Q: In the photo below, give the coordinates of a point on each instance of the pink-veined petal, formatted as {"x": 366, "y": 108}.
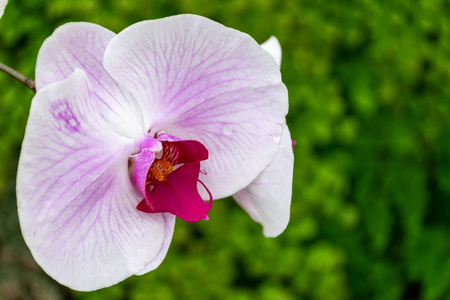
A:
{"x": 2, "y": 6}
{"x": 268, "y": 198}
{"x": 76, "y": 202}
{"x": 199, "y": 80}
{"x": 82, "y": 46}
{"x": 273, "y": 47}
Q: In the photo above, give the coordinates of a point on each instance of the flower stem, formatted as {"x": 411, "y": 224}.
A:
{"x": 14, "y": 74}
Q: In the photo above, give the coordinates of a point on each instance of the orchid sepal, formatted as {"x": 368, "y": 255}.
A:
{"x": 268, "y": 198}
{"x": 77, "y": 204}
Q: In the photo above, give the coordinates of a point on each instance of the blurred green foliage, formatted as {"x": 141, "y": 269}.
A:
{"x": 369, "y": 109}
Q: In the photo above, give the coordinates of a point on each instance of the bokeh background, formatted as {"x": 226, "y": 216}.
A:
{"x": 370, "y": 111}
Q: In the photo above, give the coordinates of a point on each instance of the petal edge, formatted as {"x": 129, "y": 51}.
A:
{"x": 272, "y": 45}
{"x": 267, "y": 199}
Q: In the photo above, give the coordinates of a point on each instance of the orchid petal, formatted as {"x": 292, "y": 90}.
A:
{"x": 209, "y": 83}
{"x": 268, "y": 198}
{"x": 2, "y": 6}
{"x": 76, "y": 202}
{"x": 273, "y": 47}
{"x": 82, "y": 45}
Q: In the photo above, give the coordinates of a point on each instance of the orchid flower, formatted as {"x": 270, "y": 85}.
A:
{"x": 129, "y": 130}
{"x": 2, "y": 6}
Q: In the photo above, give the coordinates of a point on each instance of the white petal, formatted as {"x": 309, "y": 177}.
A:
{"x": 76, "y": 202}
{"x": 273, "y": 47}
{"x": 2, "y": 6}
{"x": 169, "y": 228}
{"x": 196, "y": 79}
{"x": 82, "y": 46}
{"x": 268, "y": 199}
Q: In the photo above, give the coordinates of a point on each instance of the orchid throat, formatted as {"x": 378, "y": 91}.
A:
{"x": 166, "y": 172}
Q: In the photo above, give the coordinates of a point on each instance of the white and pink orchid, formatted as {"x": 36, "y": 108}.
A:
{"x": 129, "y": 130}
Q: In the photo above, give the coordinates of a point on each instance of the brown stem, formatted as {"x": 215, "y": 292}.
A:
{"x": 14, "y": 74}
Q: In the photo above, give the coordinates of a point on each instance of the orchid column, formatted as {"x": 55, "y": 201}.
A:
{"x": 128, "y": 131}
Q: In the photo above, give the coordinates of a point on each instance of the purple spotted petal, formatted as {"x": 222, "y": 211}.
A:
{"x": 273, "y": 47}
{"x": 2, "y": 6}
{"x": 82, "y": 46}
{"x": 268, "y": 199}
{"x": 76, "y": 202}
{"x": 198, "y": 80}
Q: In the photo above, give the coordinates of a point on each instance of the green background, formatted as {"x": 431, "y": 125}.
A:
{"x": 369, "y": 108}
